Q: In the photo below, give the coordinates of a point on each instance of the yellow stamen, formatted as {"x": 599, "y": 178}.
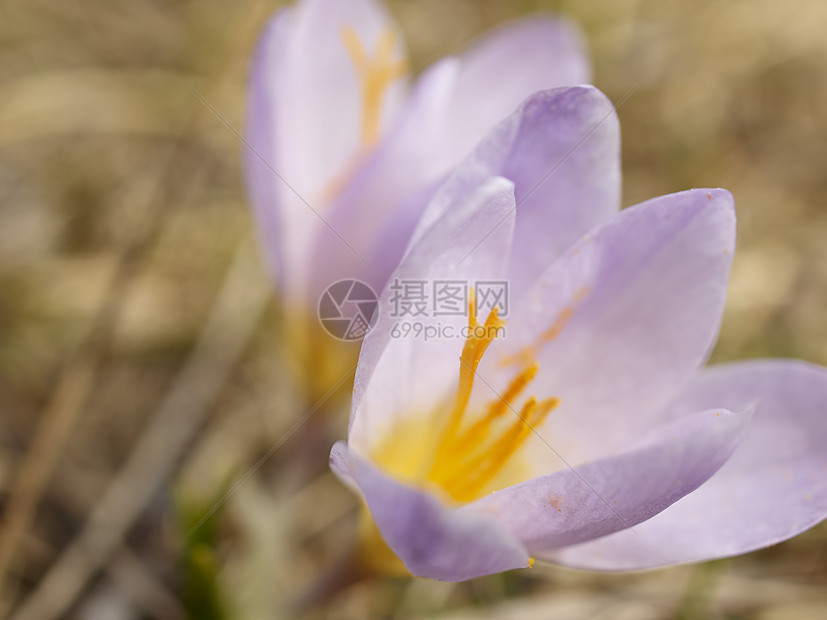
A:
{"x": 466, "y": 481}
{"x": 469, "y": 459}
{"x": 463, "y": 465}
{"x": 376, "y": 74}
{"x": 476, "y": 343}
{"x": 479, "y": 430}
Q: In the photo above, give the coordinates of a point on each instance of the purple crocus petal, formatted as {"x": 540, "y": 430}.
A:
{"x": 391, "y": 242}
{"x": 562, "y": 150}
{"x": 319, "y": 106}
{"x": 644, "y": 295}
{"x": 500, "y": 70}
{"x": 299, "y": 146}
{"x": 430, "y": 539}
{"x": 388, "y": 191}
{"x": 773, "y": 488}
{"x": 578, "y": 504}
{"x": 410, "y": 375}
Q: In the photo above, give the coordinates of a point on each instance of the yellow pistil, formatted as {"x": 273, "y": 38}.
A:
{"x": 376, "y": 73}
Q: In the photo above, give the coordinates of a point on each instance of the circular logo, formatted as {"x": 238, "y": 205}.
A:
{"x": 347, "y": 309}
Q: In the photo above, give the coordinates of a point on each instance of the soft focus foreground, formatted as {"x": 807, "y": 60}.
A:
{"x": 140, "y": 373}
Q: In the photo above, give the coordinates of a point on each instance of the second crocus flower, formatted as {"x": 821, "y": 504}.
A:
{"x": 345, "y": 149}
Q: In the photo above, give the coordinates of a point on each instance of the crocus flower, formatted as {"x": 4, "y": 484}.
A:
{"x": 582, "y": 429}
{"x": 343, "y": 150}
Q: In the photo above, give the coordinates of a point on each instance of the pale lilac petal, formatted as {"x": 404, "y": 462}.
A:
{"x": 319, "y": 106}
{"x": 506, "y": 65}
{"x": 391, "y": 242}
{"x": 304, "y": 122}
{"x": 645, "y": 293}
{"x": 409, "y": 376}
{"x": 431, "y": 540}
{"x": 612, "y": 494}
{"x": 567, "y": 175}
{"x": 773, "y": 488}
{"x": 562, "y": 150}
{"x": 388, "y": 191}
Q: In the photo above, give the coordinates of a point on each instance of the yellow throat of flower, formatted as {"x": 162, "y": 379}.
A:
{"x": 466, "y": 457}
{"x": 376, "y": 73}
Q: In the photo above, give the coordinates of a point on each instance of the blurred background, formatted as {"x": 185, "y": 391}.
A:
{"x": 146, "y": 462}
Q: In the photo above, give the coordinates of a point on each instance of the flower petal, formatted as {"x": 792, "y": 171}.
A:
{"x": 431, "y": 539}
{"x": 562, "y": 150}
{"x": 388, "y": 191}
{"x": 773, "y": 488}
{"x": 507, "y": 64}
{"x": 623, "y": 320}
{"x": 403, "y": 374}
{"x": 592, "y": 500}
{"x": 304, "y": 119}
{"x": 318, "y": 98}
